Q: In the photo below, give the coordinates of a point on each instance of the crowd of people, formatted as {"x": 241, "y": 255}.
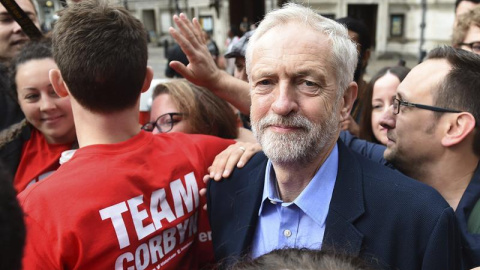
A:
{"x": 335, "y": 173}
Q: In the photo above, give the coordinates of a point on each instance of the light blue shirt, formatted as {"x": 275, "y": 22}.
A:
{"x": 301, "y": 223}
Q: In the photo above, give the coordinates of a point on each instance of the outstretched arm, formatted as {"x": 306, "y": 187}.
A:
{"x": 202, "y": 69}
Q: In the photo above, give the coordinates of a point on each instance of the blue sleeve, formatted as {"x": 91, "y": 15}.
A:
{"x": 370, "y": 150}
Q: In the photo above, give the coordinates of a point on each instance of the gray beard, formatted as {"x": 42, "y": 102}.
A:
{"x": 296, "y": 148}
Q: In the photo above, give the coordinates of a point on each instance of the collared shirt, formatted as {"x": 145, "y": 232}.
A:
{"x": 301, "y": 223}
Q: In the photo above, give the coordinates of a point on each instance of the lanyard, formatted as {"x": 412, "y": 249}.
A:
{"x": 28, "y": 27}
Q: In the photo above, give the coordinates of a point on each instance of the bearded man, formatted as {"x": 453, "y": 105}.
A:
{"x": 308, "y": 190}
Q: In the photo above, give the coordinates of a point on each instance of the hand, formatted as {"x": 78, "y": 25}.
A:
{"x": 350, "y": 125}
{"x": 202, "y": 69}
{"x": 236, "y": 154}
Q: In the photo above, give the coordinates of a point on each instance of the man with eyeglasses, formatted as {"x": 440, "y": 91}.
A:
{"x": 434, "y": 135}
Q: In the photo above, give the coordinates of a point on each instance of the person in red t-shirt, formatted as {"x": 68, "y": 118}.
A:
{"x": 127, "y": 199}
{"x": 32, "y": 148}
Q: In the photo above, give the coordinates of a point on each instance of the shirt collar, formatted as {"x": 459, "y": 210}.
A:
{"x": 318, "y": 192}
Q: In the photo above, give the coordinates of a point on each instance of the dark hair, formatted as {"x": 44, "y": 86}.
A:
{"x": 458, "y": 2}
{"x": 361, "y": 29}
{"x": 305, "y": 259}
{"x": 207, "y": 113}
{"x": 101, "y": 51}
{"x": 366, "y": 131}
{"x": 12, "y": 226}
{"x": 34, "y": 50}
{"x": 460, "y": 88}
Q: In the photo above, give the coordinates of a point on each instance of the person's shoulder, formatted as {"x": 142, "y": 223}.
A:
{"x": 193, "y": 140}
{"x": 250, "y": 173}
{"x": 383, "y": 182}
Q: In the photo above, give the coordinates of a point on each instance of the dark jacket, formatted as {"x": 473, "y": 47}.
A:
{"x": 391, "y": 221}
{"x": 11, "y": 149}
{"x": 470, "y": 241}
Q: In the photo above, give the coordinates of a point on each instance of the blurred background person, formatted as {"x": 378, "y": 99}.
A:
{"x": 233, "y": 36}
{"x": 237, "y": 52}
{"x": 378, "y": 97}
{"x": 12, "y": 38}
{"x": 358, "y": 32}
{"x": 175, "y": 53}
{"x": 213, "y": 49}
{"x": 180, "y": 106}
{"x": 244, "y": 25}
{"x": 31, "y": 149}
{"x": 463, "y": 6}
{"x": 466, "y": 33}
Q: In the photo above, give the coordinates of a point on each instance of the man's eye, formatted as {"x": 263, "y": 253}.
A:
{"x": 309, "y": 83}
{"x": 264, "y": 82}
{"x": 6, "y": 19}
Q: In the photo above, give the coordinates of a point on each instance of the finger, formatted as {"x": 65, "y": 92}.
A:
{"x": 218, "y": 166}
{"x": 203, "y": 192}
{"x": 206, "y": 178}
{"x": 248, "y": 154}
{"x": 198, "y": 30}
{"x": 181, "y": 69}
{"x": 188, "y": 30}
{"x": 182, "y": 40}
{"x": 232, "y": 161}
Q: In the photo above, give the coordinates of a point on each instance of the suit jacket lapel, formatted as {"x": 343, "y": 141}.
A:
{"x": 246, "y": 207}
{"x": 346, "y": 206}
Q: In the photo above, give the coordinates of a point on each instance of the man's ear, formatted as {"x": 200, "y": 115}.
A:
{"x": 460, "y": 126}
{"x": 148, "y": 79}
{"x": 348, "y": 98}
{"x": 58, "y": 83}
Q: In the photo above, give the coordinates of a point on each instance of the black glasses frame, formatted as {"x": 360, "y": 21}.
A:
{"x": 150, "y": 126}
{"x": 397, "y": 103}
{"x": 471, "y": 46}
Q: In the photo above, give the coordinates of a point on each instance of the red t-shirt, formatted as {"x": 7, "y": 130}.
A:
{"x": 39, "y": 159}
{"x": 131, "y": 205}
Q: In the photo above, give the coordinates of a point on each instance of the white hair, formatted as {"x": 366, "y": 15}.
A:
{"x": 344, "y": 52}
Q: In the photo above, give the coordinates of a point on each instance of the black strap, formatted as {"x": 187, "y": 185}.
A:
{"x": 22, "y": 19}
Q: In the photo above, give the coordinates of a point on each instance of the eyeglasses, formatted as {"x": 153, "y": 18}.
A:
{"x": 397, "y": 103}
{"x": 164, "y": 122}
{"x": 474, "y": 46}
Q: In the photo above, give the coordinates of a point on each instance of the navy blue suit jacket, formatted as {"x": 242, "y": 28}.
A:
{"x": 391, "y": 221}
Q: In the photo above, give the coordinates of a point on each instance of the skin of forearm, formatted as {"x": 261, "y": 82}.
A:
{"x": 232, "y": 90}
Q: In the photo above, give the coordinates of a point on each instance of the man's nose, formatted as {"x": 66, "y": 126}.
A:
{"x": 17, "y": 28}
{"x": 285, "y": 100}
